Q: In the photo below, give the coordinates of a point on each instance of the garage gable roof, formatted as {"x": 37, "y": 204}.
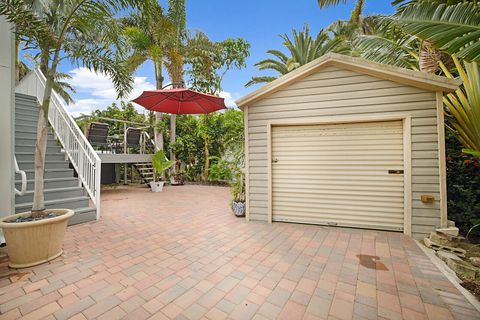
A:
{"x": 409, "y": 77}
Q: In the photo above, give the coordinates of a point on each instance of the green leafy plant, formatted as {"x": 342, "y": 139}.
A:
{"x": 237, "y": 188}
{"x": 451, "y": 28}
{"x": 220, "y": 170}
{"x": 302, "y": 49}
{"x": 463, "y": 179}
{"x": 161, "y": 163}
{"x": 463, "y": 106}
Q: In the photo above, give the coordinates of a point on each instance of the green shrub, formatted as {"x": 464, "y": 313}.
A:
{"x": 463, "y": 181}
{"x": 220, "y": 170}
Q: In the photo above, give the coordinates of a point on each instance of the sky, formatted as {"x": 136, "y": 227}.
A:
{"x": 260, "y": 22}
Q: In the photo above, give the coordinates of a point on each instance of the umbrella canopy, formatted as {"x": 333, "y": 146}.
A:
{"x": 180, "y": 101}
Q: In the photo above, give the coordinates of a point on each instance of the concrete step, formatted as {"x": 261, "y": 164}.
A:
{"x": 83, "y": 215}
{"x": 20, "y": 147}
{"x": 27, "y": 127}
{"x": 51, "y": 183}
{"x": 67, "y": 203}
{"x": 51, "y": 173}
{"x": 27, "y": 117}
{"x": 52, "y": 194}
{"x": 30, "y": 156}
{"x": 30, "y": 122}
{"x": 49, "y": 164}
{"x": 31, "y": 141}
{"x": 26, "y": 111}
{"x": 30, "y": 134}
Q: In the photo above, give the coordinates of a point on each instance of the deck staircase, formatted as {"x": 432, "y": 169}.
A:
{"x": 145, "y": 170}
{"x": 62, "y": 188}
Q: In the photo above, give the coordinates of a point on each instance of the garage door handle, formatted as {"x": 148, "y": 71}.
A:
{"x": 395, "y": 171}
{"x": 275, "y": 160}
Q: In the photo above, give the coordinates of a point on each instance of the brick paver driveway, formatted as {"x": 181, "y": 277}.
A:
{"x": 182, "y": 254}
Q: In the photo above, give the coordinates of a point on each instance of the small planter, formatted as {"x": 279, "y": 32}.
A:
{"x": 176, "y": 181}
{"x": 157, "y": 186}
{"x": 238, "y": 208}
{"x": 35, "y": 242}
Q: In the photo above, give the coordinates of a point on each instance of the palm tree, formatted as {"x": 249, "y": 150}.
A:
{"x": 149, "y": 35}
{"x": 82, "y": 31}
{"x": 176, "y": 55}
{"x": 452, "y": 28}
{"x": 302, "y": 50}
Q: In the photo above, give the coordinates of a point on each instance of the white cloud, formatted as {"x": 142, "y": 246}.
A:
{"x": 229, "y": 99}
{"x": 96, "y": 91}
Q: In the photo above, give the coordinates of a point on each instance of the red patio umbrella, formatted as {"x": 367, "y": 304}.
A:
{"x": 180, "y": 101}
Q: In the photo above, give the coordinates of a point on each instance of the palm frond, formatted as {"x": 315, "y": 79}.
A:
{"x": 452, "y": 28}
{"x": 259, "y": 80}
{"x": 328, "y": 3}
{"x": 463, "y": 106}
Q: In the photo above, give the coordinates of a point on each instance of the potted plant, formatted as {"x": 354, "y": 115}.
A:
{"x": 177, "y": 178}
{"x": 160, "y": 164}
{"x": 37, "y": 236}
{"x": 238, "y": 192}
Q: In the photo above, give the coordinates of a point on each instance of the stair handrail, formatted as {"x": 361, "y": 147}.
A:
{"x": 144, "y": 140}
{"x": 22, "y": 173}
{"x": 79, "y": 151}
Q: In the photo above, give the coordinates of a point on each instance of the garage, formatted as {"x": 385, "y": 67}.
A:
{"x": 347, "y": 174}
{"x": 343, "y": 141}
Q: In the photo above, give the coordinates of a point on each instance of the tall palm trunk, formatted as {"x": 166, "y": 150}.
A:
{"x": 158, "y": 134}
{"x": 41, "y": 147}
{"x": 206, "y": 143}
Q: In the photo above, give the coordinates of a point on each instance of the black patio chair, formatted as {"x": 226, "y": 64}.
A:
{"x": 133, "y": 137}
{"x": 97, "y": 135}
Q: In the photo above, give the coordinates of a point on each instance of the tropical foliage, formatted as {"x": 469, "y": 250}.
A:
{"x": 463, "y": 179}
{"x": 302, "y": 49}
{"x": 463, "y": 106}
{"x": 161, "y": 163}
{"x": 453, "y": 28}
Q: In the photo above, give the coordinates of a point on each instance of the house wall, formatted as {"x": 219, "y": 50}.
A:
{"x": 332, "y": 93}
{"x": 6, "y": 120}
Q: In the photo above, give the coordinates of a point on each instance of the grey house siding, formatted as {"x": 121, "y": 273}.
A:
{"x": 333, "y": 92}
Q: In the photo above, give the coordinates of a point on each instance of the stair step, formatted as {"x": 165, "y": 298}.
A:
{"x": 20, "y": 147}
{"x": 29, "y": 138}
{"x": 51, "y": 173}
{"x": 67, "y": 203}
{"x": 26, "y": 111}
{"x": 31, "y": 134}
{"x": 30, "y": 156}
{"x": 52, "y": 194}
{"x": 28, "y": 127}
{"x": 27, "y": 117}
{"x": 31, "y": 141}
{"x": 49, "y": 164}
{"x": 83, "y": 215}
{"x": 51, "y": 183}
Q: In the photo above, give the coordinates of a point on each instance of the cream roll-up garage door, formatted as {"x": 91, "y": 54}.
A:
{"x": 348, "y": 174}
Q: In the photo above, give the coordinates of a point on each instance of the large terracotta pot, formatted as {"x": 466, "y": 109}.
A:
{"x": 35, "y": 242}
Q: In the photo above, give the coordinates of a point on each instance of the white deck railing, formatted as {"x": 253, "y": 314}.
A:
{"x": 83, "y": 157}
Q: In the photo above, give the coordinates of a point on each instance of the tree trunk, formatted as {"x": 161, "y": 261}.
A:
{"x": 173, "y": 135}
{"x": 40, "y": 151}
{"x": 158, "y": 134}
{"x": 207, "y": 160}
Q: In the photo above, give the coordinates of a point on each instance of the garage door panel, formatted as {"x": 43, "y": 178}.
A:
{"x": 335, "y": 197}
{"x": 339, "y": 174}
{"x": 337, "y": 218}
